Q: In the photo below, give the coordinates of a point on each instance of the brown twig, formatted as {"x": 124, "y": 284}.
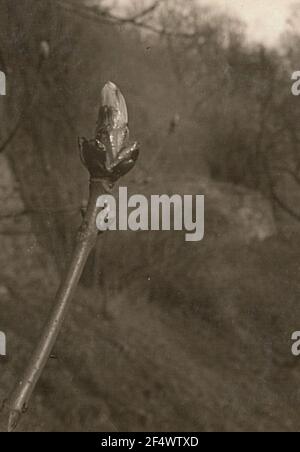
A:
{"x": 106, "y": 161}
{"x": 85, "y": 242}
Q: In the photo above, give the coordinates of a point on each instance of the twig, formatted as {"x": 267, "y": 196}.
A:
{"x": 85, "y": 242}
{"x": 106, "y": 161}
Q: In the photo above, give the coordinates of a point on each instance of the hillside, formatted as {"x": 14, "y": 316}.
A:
{"x": 197, "y": 338}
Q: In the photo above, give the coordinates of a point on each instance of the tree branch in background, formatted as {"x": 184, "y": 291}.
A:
{"x": 14, "y": 131}
{"x": 98, "y": 16}
{"x": 273, "y": 192}
{"x": 106, "y": 13}
{"x": 141, "y": 14}
{"x": 288, "y": 171}
{"x": 25, "y": 109}
{"x": 283, "y": 205}
{"x": 3, "y": 66}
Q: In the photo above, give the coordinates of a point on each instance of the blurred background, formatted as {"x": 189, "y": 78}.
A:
{"x": 163, "y": 335}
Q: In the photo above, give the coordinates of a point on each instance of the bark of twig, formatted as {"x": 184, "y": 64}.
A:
{"x": 85, "y": 242}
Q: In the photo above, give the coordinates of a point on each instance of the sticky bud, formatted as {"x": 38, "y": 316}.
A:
{"x": 110, "y": 155}
{"x": 113, "y": 109}
{"x": 112, "y": 127}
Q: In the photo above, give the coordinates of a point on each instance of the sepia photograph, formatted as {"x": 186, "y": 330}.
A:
{"x": 149, "y": 218}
